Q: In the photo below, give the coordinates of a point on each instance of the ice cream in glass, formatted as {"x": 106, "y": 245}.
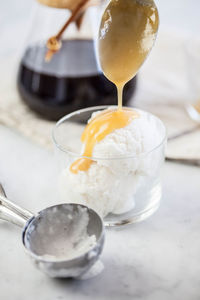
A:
{"x": 115, "y": 167}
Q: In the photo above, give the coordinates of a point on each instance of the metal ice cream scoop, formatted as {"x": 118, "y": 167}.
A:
{"x": 45, "y": 235}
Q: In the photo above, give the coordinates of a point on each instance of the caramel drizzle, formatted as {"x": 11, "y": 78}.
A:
{"x": 119, "y": 63}
{"x": 97, "y": 129}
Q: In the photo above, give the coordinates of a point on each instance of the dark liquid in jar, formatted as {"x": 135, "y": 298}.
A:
{"x": 70, "y": 81}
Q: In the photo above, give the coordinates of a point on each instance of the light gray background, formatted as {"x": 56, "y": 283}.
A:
{"x": 156, "y": 259}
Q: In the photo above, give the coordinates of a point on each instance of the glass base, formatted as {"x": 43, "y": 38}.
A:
{"x": 136, "y": 215}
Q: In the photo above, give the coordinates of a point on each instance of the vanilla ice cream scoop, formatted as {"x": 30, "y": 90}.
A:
{"x": 120, "y": 166}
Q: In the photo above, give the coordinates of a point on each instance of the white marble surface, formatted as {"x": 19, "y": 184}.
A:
{"x": 158, "y": 259}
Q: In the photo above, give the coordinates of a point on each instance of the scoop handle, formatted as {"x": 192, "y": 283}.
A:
{"x": 11, "y": 212}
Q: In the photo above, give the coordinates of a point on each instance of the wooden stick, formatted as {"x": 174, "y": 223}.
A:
{"x": 54, "y": 44}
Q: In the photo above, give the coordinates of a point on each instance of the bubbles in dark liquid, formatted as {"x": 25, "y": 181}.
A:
{"x": 70, "y": 81}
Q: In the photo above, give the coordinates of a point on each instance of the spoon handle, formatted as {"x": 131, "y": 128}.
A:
{"x": 10, "y": 216}
{"x": 11, "y": 212}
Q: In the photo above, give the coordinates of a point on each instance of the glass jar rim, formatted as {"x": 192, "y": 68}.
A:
{"x": 102, "y": 107}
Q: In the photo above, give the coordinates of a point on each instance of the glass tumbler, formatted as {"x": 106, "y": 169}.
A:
{"x": 111, "y": 181}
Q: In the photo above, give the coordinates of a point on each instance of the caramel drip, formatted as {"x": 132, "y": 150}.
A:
{"x": 119, "y": 95}
{"x": 127, "y": 33}
{"x": 97, "y": 129}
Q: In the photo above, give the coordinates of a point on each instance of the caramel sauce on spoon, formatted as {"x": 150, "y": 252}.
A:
{"x": 127, "y": 33}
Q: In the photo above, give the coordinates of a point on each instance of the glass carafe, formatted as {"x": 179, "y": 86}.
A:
{"x": 71, "y": 79}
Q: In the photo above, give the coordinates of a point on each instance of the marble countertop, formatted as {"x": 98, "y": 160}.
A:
{"x": 158, "y": 259}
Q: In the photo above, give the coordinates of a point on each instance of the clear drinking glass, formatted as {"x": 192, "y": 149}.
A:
{"x": 136, "y": 177}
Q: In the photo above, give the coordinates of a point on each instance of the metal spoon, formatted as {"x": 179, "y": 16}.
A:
{"x": 43, "y": 233}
